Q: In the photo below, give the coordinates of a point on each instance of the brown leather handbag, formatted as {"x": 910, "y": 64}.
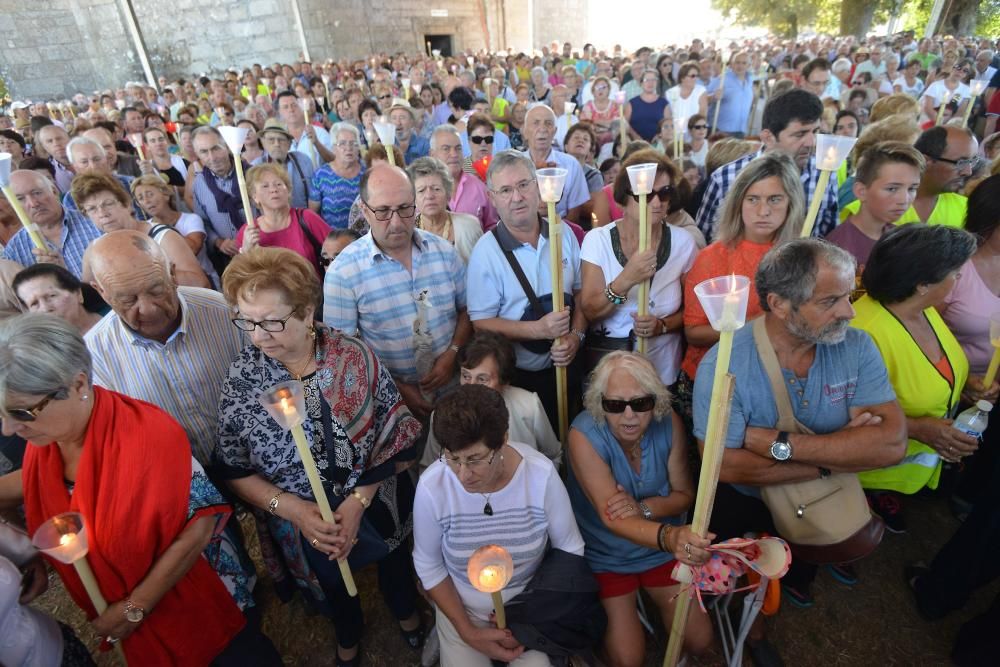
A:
{"x": 824, "y": 520}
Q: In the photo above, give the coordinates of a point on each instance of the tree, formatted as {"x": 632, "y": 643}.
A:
{"x": 783, "y": 18}
{"x": 856, "y": 17}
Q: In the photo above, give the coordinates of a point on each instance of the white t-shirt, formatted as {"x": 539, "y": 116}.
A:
{"x": 912, "y": 91}
{"x": 938, "y": 91}
{"x": 189, "y": 223}
{"x": 530, "y": 513}
{"x": 665, "y": 294}
{"x": 684, "y": 108}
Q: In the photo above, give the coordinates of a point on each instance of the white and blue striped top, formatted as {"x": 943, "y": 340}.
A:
{"x": 530, "y": 514}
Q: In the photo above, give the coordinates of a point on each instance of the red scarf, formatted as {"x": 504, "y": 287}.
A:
{"x": 132, "y": 487}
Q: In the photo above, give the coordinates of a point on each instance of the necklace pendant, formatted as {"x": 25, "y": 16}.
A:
{"x": 488, "y": 509}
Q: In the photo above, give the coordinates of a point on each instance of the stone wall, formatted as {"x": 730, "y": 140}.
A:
{"x": 53, "y": 48}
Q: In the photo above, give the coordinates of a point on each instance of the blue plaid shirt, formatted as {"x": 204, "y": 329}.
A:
{"x": 77, "y": 233}
{"x": 723, "y": 178}
{"x": 370, "y": 293}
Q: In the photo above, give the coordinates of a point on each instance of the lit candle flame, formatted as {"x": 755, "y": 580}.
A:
{"x": 66, "y": 538}
{"x": 489, "y": 577}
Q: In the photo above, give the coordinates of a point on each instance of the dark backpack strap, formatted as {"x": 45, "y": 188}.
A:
{"x": 536, "y": 305}
{"x": 317, "y": 245}
{"x": 155, "y": 230}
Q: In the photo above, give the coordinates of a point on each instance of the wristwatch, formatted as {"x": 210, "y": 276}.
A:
{"x": 646, "y": 512}
{"x": 781, "y": 449}
{"x": 133, "y": 613}
{"x": 824, "y": 472}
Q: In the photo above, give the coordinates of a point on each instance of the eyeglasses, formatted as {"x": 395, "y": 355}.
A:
{"x": 384, "y": 97}
{"x": 405, "y": 212}
{"x": 488, "y": 139}
{"x": 347, "y": 144}
{"x": 523, "y": 188}
{"x": 663, "y": 193}
{"x": 31, "y": 414}
{"x": 959, "y": 165}
{"x": 270, "y": 326}
{"x": 471, "y": 464}
{"x": 700, "y": 126}
{"x": 617, "y": 406}
{"x": 103, "y": 207}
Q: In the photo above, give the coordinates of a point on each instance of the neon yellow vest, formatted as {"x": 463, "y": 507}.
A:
{"x": 949, "y": 210}
{"x": 920, "y": 389}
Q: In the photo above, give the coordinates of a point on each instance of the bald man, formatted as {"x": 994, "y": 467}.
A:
{"x": 415, "y": 330}
{"x": 168, "y": 345}
{"x": 66, "y": 233}
{"x": 54, "y": 140}
{"x": 539, "y": 131}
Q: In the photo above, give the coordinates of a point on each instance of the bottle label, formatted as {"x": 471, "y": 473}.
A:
{"x": 968, "y": 431}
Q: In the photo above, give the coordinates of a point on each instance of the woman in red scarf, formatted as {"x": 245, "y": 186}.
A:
{"x": 126, "y": 466}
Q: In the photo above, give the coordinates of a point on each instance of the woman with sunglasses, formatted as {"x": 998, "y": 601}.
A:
{"x": 601, "y": 110}
{"x": 485, "y": 489}
{"x": 360, "y": 432}
{"x": 482, "y": 137}
{"x": 951, "y": 88}
{"x": 630, "y": 485}
{"x": 433, "y": 186}
{"x": 613, "y": 268}
{"x": 697, "y": 130}
{"x": 174, "y": 588}
{"x": 688, "y": 97}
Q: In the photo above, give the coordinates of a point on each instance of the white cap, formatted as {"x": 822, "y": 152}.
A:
{"x": 985, "y": 406}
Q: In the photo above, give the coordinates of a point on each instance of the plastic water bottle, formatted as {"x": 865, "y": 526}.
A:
{"x": 973, "y": 421}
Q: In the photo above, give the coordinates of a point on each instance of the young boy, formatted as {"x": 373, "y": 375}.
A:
{"x": 886, "y": 183}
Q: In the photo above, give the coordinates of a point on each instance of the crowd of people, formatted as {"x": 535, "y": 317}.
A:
{"x": 408, "y": 288}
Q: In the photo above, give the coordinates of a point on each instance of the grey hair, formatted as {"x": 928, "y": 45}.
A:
{"x": 443, "y": 129}
{"x": 40, "y": 354}
{"x": 83, "y": 141}
{"x": 840, "y": 65}
{"x": 506, "y": 159}
{"x": 431, "y": 166}
{"x": 789, "y": 270}
{"x": 772, "y": 163}
{"x": 540, "y": 70}
{"x": 641, "y": 370}
{"x": 206, "y": 129}
{"x": 345, "y": 127}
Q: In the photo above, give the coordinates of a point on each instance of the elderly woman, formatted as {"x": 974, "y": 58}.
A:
{"x": 49, "y": 288}
{"x": 278, "y": 224}
{"x": 764, "y": 207}
{"x": 540, "y": 88}
{"x": 102, "y": 199}
{"x": 630, "y": 486}
{"x": 910, "y": 271}
{"x": 336, "y": 183}
{"x": 489, "y": 360}
{"x": 485, "y": 489}
{"x": 482, "y": 135}
{"x": 433, "y": 186}
{"x": 157, "y": 199}
{"x": 174, "y": 588}
{"x": 613, "y": 268}
{"x": 159, "y": 159}
{"x": 581, "y": 143}
{"x": 361, "y": 434}
{"x": 601, "y": 110}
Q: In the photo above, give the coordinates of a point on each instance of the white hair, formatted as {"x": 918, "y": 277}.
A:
{"x": 76, "y": 142}
{"x": 345, "y": 127}
{"x": 444, "y": 128}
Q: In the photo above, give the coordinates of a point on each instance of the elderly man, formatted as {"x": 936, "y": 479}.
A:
{"x": 789, "y": 124}
{"x": 539, "y": 131}
{"x": 66, "y": 233}
{"x": 87, "y": 156}
{"x": 737, "y": 96}
{"x": 952, "y": 153}
{"x": 54, "y": 140}
{"x": 309, "y": 140}
{"x": 402, "y": 290}
{"x": 470, "y": 194}
{"x": 216, "y": 194}
{"x": 277, "y": 143}
{"x": 497, "y": 298}
{"x": 845, "y": 400}
{"x": 122, "y": 164}
{"x": 168, "y": 345}
{"x": 411, "y": 144}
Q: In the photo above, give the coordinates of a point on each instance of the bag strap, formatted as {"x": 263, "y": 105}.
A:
{"x": 317, "y": 246}
{"x": 536, "y": 305}
{"x": 786, "y": 416}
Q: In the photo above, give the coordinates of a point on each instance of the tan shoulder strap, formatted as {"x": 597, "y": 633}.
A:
{"x": 786, "y": 416}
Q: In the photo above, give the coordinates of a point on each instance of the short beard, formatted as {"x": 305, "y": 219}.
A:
{"x": 831, "y": 334}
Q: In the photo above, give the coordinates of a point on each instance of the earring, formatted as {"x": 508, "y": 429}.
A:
{"x": 312, "y": 331}
{"x": 84, "y": 397}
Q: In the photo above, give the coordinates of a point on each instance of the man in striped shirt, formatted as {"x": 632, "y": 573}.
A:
{"x": 402, "y": 290}
{"x": 167, "y": 345}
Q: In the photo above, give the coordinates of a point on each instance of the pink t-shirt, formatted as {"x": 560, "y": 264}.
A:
{"x": 470, "y": 197}
{"x": 292, "y": 236}
{"x": 966, "y": 311}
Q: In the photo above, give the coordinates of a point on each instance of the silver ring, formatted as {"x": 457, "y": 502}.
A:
{"x": 687, "y": 548}
{"x": 114, "y": 640}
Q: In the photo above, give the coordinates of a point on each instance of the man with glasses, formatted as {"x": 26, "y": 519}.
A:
{"x": 402, "y": 291}
{"x": 306, "y": 139}
{"x": 498, "y": 298}
{"x": 167, "y": 345}
{"x": 277, "y": 143}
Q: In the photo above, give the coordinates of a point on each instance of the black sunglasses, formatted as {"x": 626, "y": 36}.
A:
{"x": 700, "y": 126}
{"x": 663, "y": 193}
{"x": 31, "y": 414}
{"x": 488, "y": 139}
{"x": 617, "y": 406}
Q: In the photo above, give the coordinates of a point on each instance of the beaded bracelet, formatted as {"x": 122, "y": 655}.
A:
{"x": 614, "y": 298}
{"x": 661, "y": 535}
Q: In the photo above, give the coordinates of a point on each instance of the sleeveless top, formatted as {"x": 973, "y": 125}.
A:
{"x": 646, "y": 116}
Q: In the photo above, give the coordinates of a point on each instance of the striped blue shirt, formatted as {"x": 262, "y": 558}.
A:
{"x": 335, "y": 194}
{"x": 183, "y": 376}
{"x": 370, "y": 293}
{"x": 77, "y": 233}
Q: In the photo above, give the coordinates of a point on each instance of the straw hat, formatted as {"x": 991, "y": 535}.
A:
{"x": 275, "y": 125}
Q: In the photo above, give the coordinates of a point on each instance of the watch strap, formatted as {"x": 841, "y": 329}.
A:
{"x": 782, "y": 437}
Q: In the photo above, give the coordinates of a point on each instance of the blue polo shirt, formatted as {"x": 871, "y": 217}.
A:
{"x": 737, "y": 97}
{"x": 850, "y": 374}
{"x": 493, "y": 289}
{"x": 575, "y": 191}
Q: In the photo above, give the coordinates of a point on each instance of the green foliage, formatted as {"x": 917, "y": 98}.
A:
{"x": 988, "y": 18}
{"x": 785, "y": 18}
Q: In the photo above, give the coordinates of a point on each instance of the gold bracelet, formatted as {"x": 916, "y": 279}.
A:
{"x": 365, "y": 502}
